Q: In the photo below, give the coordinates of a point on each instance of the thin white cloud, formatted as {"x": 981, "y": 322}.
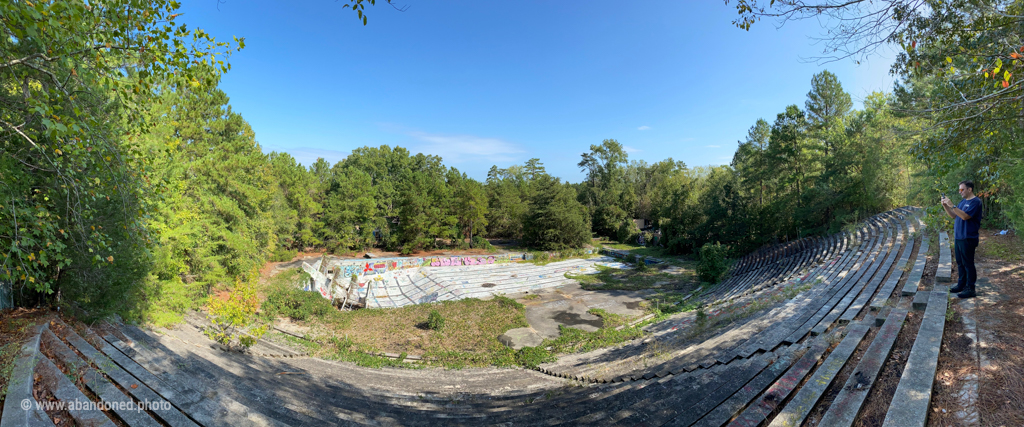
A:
{"x": 629, "y": 149}
{"x": 713, "y": 146}
{"x": 644, "y": 128}
{"x": 466, "y": 148}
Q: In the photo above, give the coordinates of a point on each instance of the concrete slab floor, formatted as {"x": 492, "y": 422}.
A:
{"x": 568, "y": 305}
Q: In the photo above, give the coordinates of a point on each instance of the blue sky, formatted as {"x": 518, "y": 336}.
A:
{"x": 484, "y": 83}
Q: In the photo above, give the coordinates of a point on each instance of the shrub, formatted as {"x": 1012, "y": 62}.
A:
{"x": 641, "y": 264}
{"x": 702, "y": 316}
{"x": 532, "y": 357}
{"x": 232, "y": 314}
{"x": 482, "y": 243}
{"x": 435, "y": 321}
{"x": 295, "y": 303}
{"x": 712, "y": 264}
{"x": 627, "y": 232}
{"x": 282, "y": 255}
{"x": 505, "y": 301}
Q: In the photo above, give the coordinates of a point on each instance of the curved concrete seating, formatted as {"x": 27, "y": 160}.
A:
{"x": 426, "y": 284}
{"x": 838, "y": 286}
{"x": 771, "y": 369}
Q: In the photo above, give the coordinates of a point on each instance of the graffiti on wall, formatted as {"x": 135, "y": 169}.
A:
{"x": 348, "y": 268}
{"x": 455, "y": 261}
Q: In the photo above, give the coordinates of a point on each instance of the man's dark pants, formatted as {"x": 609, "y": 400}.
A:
{"x": 965, "y": 263}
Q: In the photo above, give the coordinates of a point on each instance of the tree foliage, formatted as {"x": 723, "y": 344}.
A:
{"x": 72, "y": 179}
{"x": 959, "y": 66}
{"x": 556, "y": 220}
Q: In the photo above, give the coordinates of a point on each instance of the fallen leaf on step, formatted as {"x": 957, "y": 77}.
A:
{"x": 135, "y": 386}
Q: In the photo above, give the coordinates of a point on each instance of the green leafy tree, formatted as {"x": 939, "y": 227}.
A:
{"x": 752, "y": 163}
{"x": 298, "y": 186}
{"x": 470, "y": 207}
{"x": 216, "y": 219}
{"x": 509, "y": 192}
{"x": 74, "y": 80}
{"x": 556, "y": 220}
{"x": 350, "y": 211}
{"x": 959, "y": 65}
{"x": 605, "y": 193}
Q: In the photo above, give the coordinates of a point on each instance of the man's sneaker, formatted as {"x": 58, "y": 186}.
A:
{"x": 956, "y": 289}
{"x": 966, "y": 294}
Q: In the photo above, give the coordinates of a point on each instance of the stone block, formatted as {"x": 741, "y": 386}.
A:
{"x": 521, "y": 337}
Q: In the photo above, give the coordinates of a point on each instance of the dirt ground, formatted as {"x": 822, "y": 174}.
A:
{"x": 999, "y": 314}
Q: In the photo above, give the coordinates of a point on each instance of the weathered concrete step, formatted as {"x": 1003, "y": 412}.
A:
{"x": 899, "y": 270}
{"x": 660, "y": 406}
{"x": 208, "y": 409}
{"x": 759, "y": 410}
{"x": 881, "y": 315}
{"x": 190, "y": 375}
{"x": 19, "y": 387}
{"x": 909, "y": 406}
{"x": 796, "y": 411}
{"x": 944, "y": 274}
{"x": 105, "y": 389}
{"x": 844, "y": 408}
{"x": 643, "y": 398}
{"x": 739, "y": 400}
{"x": 66, "y": 391}
{"x": 921, "y": 301}
{"x": 869, "y": 290}
{"x": 914, "y": 280}
{"x": 733, "y": 382}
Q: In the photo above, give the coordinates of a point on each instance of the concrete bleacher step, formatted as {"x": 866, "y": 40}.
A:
{"x": 733, "y": 383}
{"x": 944, "y": 272}
{"x": 66, "y": 391}
{"x": 739, "y": 400}
{"x": 909, "y": 406}
{"x": 761, "y": 408}
{"x": 914, "y": 280}
{"x": 837, "y": 304}
{"x": 921, "y": 301}
{"x": 97, "y": 382}
{"x": 210, "y": 378}
{"x": 672, "y": 397}
{"x": 202, "y": 406}
{"x": 898, "y": 272}
{"x": 843, "y": 410}
{"x": 868, "y": 291}
{"x": 882, "y": 315}
{"x": 796, "y": 411}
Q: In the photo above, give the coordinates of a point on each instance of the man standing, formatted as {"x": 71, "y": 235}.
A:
{"x": 966, "y": 222}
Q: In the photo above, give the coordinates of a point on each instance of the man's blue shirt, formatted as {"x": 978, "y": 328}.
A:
{"x": 968, "y": 229}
